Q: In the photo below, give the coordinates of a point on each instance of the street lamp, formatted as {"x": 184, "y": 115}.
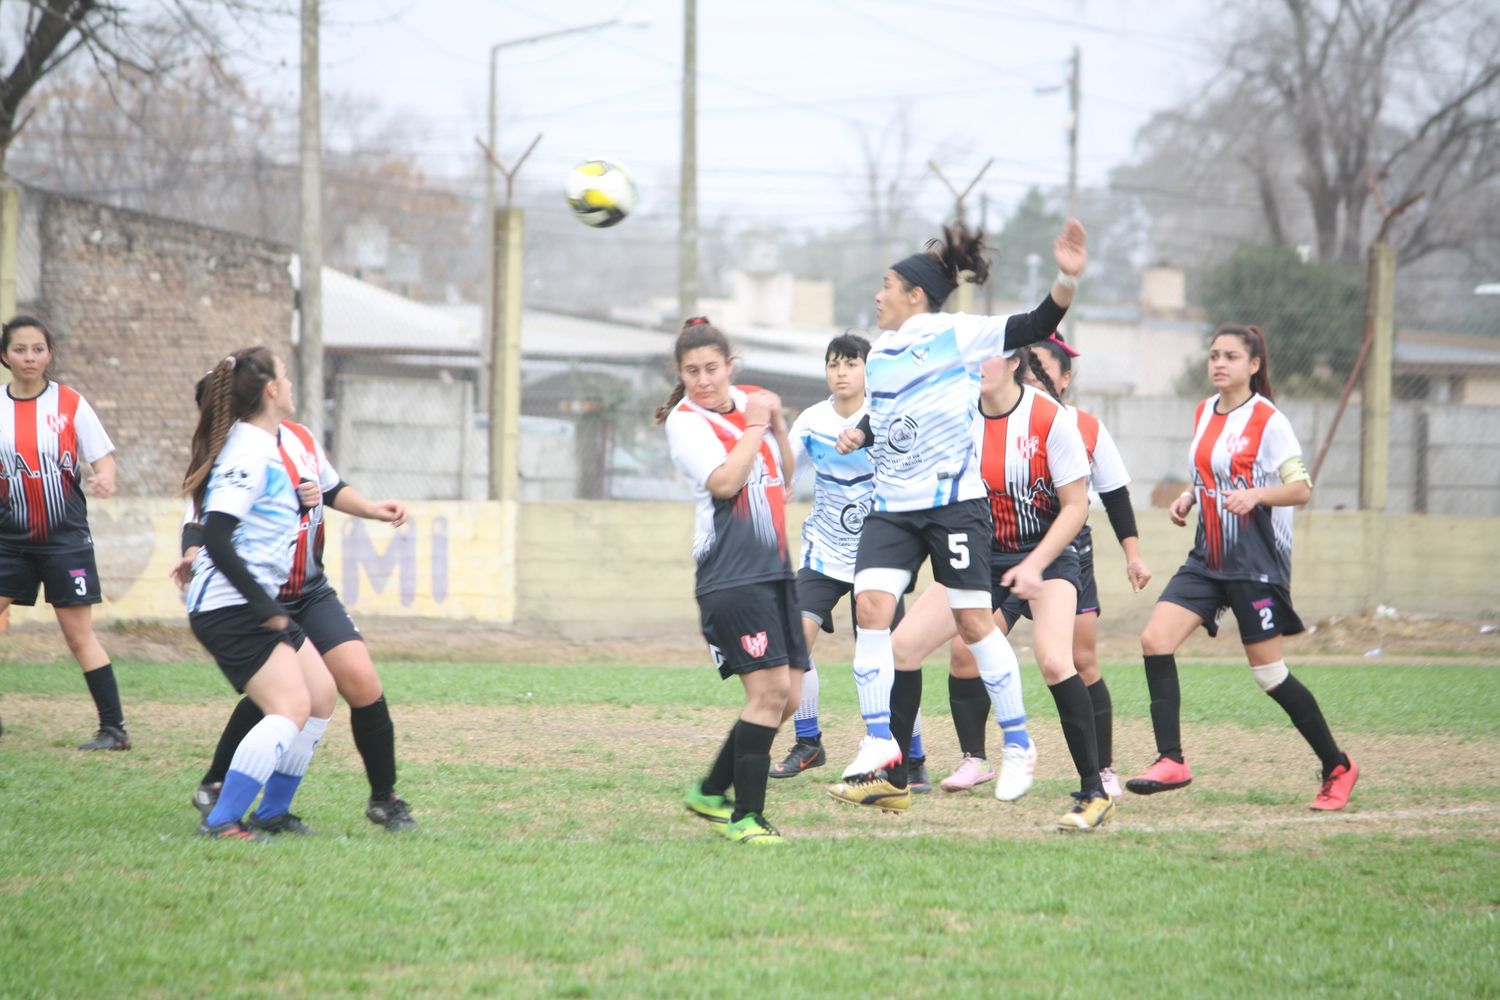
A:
{"x": 489, "y": 170}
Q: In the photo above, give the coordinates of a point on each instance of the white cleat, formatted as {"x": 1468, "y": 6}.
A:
{"x": 1017, "y": 766}
{"x": 874, "y": 754}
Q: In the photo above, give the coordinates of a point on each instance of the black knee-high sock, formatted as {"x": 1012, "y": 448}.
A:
{"x": 906, "y": 701}
{"x": 970, "y": 703}
{"x": 1104, "y": 722}
{"x": 1166, "y": 704}
{"x": 721, "y": 773}
{"x": 1305, "y": 714}
{"x": 375, "y": 739}
{"x": 752, "y": 767}
{"x": 106, "y": 695}
{"x": 1076, "y": 713}
{"x": 244, "y": 718}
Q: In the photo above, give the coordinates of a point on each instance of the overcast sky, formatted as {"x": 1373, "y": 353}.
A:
{"x": 784, "y": 87}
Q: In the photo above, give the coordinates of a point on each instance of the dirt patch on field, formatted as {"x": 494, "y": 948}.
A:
{"x": 619, "y": 769}
{"x": 1389, "y": 636}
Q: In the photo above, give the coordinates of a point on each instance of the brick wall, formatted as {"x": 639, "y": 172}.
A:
{"x": 141, "y": 307}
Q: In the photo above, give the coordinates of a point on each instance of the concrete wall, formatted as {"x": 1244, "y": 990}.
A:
{"x": 613, "y": 569}
{"x": 141, "y": 307}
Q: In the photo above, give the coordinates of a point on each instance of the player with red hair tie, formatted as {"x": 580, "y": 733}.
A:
{"x": 1247, "y": 476}
{"x": 730, "y": 443}
{"x": 47, "y": 432}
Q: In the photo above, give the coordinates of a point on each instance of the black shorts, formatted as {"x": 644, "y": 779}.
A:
{"x": 70, "y": 575}
{"x": 323, "y": 617}
{"x": 956, "y": 538}
{"x": 1264, "y": 610}
{"x": 1088, "y": 587}
{"x": 238, "y": 642}
{"x": 753, "y": 626}
{"x": 817, "y": 593}
{"x": 1064, "y": 567}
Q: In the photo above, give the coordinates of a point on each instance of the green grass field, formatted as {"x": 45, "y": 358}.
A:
{"x": 554, "y": 857}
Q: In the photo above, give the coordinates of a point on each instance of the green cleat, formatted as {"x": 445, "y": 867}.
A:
{"x": 714, "y": 808}
{"x": 753, "y": 829}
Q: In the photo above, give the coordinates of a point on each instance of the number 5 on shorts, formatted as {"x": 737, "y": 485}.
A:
{"x": 958, "y": 544}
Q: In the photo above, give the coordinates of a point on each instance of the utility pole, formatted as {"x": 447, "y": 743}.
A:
{"x": 687, "y": 225}
{"x": 1074, "y": 85}
{"x": 310, "y": 294}
{"x": 963, "y": 296}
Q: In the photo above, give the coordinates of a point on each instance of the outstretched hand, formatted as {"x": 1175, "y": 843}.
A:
{"x": 1070, "y": 249}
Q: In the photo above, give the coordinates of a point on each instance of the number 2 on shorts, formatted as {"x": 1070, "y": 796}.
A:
{"x": 1265, "y": 619}
{"x": 958, "y": 544}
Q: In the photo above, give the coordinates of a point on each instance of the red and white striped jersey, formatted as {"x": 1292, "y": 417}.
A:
{"x": 1107, "y": 470}
{"x": 304, "y": 459}
{"x": 43, "y": 443}
{"x": 1242, "y": 449}
{"x": 1024, "y": 456}
{"x": 740, "y": 539}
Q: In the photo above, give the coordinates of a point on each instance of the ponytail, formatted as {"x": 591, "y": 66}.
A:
{"x": 696, "y": 332}
{"x": 1038, "y": 371}
{"x": 232, "y": 391}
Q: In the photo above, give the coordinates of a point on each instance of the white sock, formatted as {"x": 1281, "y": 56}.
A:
{"x": 1001, "y": 673}
{"x": 808, "y": 708}
{"x": 264, "y": 747}
{"x": 299, "y": 754}
{"x": 874, "y": 673}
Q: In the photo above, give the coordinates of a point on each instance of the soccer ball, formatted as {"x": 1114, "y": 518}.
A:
{"x": 600, "y": 193}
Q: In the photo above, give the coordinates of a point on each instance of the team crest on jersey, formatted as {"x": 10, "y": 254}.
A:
{"x": 1235, "y": 443}
{"x": 755, "y": 644}
{"x": 57, "y": 422}
{"x": 852, "y": 517}
{"x": 1027, "y": 447}
{"x": 903, "y": 435}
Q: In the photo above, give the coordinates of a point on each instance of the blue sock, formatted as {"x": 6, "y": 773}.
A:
{"x": 880, "y": 730}
{"x": 235, "y": 797}
{"x": 917, "y": 750}
{"x": 277, "y": 799}
{"x": 807, "y": 729}
{"x": 1015, "y": 734}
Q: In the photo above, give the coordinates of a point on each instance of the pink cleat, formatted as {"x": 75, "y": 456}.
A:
{"x": 971, "y": 771}
{"x": 1336, "y": 787}
{"x": 1163, "y": 776}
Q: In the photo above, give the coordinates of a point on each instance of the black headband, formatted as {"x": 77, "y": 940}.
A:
{"x": 922, "y": 270}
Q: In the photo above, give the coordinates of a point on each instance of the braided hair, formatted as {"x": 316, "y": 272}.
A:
{"x": 233, "y": 390}
{"x": 1038, "y": 371}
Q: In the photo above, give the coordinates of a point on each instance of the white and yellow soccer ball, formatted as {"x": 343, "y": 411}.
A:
{"x": 600, "y": 193}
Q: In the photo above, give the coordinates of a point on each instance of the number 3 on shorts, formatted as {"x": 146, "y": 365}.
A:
{"x": 958, "y": 544}
{"x": 81, "y": 586}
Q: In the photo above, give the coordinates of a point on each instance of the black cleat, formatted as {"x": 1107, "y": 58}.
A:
{"x": 205, "y": 797}
{"x": 108, "y": 738}
{"x": 276, "y": 825}
{"x": 232, "y": 830}
{"x": 804, "y": 755}
{"x": 393, "y": 814}
{"x": 916, "y": 776}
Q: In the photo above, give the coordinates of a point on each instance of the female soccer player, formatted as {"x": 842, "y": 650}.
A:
{"x": 47, "y": 432}
{"x": 315, "y": 606}
{"x": 929, "y": 497}
{"x": 1035, "y": 470}
{"x": 1109, "y": 478}
{"x": 1247, "y": 476}
{"x": 730, "y": 444}
{"x": 830, "y": 537}
{"x": 250, "y": 512}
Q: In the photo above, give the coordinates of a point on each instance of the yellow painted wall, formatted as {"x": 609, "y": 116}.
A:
{"x": 587, "y": 569}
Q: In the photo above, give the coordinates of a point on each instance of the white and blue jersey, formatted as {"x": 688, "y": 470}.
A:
{"x": 843, "y": 486}
{"x": 249, "y": 481}
{"x": 922, "y": 384}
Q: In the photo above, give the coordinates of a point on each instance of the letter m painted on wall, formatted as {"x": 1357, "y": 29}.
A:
{"x": 398, "y": 559}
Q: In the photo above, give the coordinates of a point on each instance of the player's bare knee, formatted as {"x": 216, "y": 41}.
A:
{"x": 974, "y": 624}
{"x": 1056, "y": 667}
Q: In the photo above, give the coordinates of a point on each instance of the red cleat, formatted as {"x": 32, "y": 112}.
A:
{"x": 1336, "y": 787}
{"x": 1163, "y": 776}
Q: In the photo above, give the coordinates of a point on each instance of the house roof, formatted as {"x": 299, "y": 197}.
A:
{"x": 1446, "y": 352}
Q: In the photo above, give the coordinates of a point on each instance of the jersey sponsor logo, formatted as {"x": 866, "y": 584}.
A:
{"x": 903, "y": 435}
{"x": 1041, "y": 488}
{"x": 1028, "y": 446}
{"x": 755, "y": 644}
{"x": 852, "y": 517}
{"x": 232, "y": 477}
